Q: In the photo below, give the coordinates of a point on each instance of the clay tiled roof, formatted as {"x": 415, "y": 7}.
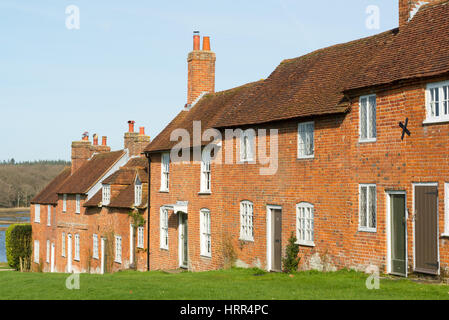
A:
{"x": 306, "y": 86}
{"x": 137, "y": 162}
{"x": 49, "y": 194}
{"x": 95, "y": 200}
{"x": 125, "y": 176}
{"x": 85, "y": 177}
{"x": 208, "y": 110}
{"x": 122, "y": 176}
{"x": 420, "y": 49}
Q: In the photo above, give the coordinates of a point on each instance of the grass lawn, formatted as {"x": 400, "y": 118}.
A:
{"x": 214, "y": 285}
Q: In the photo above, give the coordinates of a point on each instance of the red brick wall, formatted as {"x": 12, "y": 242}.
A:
{"x": 330, "y": 181}
{"x": 105, "y": 222}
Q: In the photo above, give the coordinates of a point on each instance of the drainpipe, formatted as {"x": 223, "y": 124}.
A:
{"x": 148, "y": 210}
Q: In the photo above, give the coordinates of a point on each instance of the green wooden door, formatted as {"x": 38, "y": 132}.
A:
{"x": 398, "y": 234}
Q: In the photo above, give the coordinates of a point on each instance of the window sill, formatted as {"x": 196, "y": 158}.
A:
{"x": 164, "y": 249}
{"x": 119, "y": 262}
{"x": 305, "y": 244}
{"x": 435, "y": 121}
{"x": 205, "y": 256}
{"x": 444, "y": 235}
{"x": 96, "y": 258}
{"x": 368, "y": 230}
{"x": 163, "y": 191}
{"x": 246, "y": 240}
{"x": 204, "y": 193}
{"x": 305, "y": 157}
{"x": 78, "y": 260}
{"x": 372, "y": 140}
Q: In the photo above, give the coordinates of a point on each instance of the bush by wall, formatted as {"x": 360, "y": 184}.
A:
{"x": 291, "y": 259}
{"x": 18, "y": 246}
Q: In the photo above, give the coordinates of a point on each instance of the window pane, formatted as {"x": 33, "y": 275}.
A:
{"x": 363, "y": 118}
{"x": 363, "y": 198}
{"x": 372, "y": 124}
{"x": 372, "y": 206}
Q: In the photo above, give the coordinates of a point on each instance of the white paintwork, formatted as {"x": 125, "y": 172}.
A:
{"x": 269, "y": 226}
{"x": 103, "y": 246}
{"x": 131, "y": 236}
{"x": 119, "y": 163}
{"x": 52, "y": 259}
{"x": 389, "y": 233}
{"x": 69, "y": 253}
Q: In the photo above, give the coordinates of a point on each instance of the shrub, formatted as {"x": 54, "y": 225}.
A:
{"x": 291, "y": 259}
{"x": 18, "y": 245}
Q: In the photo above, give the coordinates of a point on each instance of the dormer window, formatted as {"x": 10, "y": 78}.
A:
{"x": 106, "y": 194}
{"x": 138, "y": 192}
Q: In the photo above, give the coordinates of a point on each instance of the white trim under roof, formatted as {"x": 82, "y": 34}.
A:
{"x": 117, "y": 165}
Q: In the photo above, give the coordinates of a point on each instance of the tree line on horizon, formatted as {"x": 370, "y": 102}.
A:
{"x": 21, "y": 181}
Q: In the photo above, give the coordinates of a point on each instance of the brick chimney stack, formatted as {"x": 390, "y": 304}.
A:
{"x": 135, "y": 142}
{"x": 201, "y": 69}
{"x": 100, "y": 149}
{"x": 81, "y": 152}
{"x": 408, "y": 8}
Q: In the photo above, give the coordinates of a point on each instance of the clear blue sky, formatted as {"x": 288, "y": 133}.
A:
{"x": 128, "y": 60}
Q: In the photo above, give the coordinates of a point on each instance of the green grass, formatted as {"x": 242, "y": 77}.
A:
{"x": 224, "y": 284}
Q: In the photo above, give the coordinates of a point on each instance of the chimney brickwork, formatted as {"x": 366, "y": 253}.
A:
{"x": 201, "y": 69}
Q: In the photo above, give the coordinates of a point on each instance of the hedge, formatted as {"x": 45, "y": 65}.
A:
{"x": 18, "y": 245}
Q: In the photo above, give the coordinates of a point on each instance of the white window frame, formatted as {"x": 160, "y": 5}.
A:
{"x": 206, "y": 174}
{"x": 63, "y": 244}
{"x": 305, "y": 224}
{"x": 77, "y": 247}
{"x": 37, "y": 213}
{"x": 138, "y": 193}
{"x": 140, "y": 237}
{"x": 36, "y": 251}
{"x": 48, "y": 252}
{"x": 246, "y": 220}
{"x": 118, "y": 249}
{"x": 367, "y": 228}
{"x": 303, "y": 132}
{"x": 95, "y": 246}
{"x": 165, "y": 172}
{"x": 247, "y": 145}
{"x": 443, "y": 116}
{"x": 163, "y": 228}
{"x": 369, "y": 119}
{"x": 78, "y": 203}
{"x": 64, "y": 202}
{"x": 106, "y": 195}
{"x": 205, "y": 233}
{"x": 49, "y": 215}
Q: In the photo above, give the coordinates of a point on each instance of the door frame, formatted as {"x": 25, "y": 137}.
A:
{"x": 52, "y": 257}
{"x": 103, "y": 256}
{"x": 269, "y": 240}
{"x": 425, "y": 184}
{"x": 389, "y": 231}
{"x": 181, "y": 242}
{"x": 69, "y": 253}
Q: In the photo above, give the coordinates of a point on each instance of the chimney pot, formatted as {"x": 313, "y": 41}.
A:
{"x": 142, "y": 131}
{"x": 95, "y": 140}
{"x": 85, "y": 136}
{"x": 105, "y": 141}
{"x": 206, "y": 44}
{"x": 131, "y": 125}
{"x": 196, "y": 40}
